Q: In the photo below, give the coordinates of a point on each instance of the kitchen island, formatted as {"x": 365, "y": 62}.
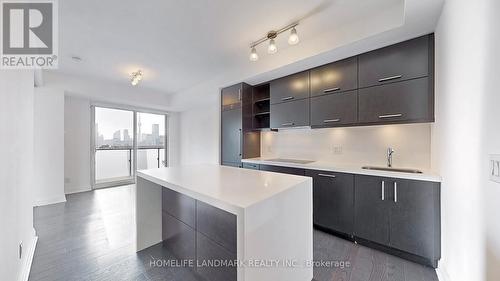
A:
{"x": 228, "y": 223}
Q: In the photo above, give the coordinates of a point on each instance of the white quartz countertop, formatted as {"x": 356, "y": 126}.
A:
{"x": 351, "y": 169}
{"x": 232, "y": 189}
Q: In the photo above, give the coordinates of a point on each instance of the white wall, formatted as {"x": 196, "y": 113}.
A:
{"x": 16, "y": 172}
{"x": 76, "y": 144}
{"x": 466, "y": 130}
{"x": 49, "y": 146}
{"x": 200, "y": 135}
{"x": 359, "y": 145}
{"x": 491, "y": 140}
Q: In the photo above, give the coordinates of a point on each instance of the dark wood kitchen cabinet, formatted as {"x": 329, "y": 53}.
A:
{"x": 402, "y": 102}
{"x": 402, "y": 215}
{"x": 231, "y": 97}
{"x": 335, "y": 77}
{"x": 371, "y": 209}
{"x": 403, "y": 61}
{"x": 333, "y": 201}
{"x": 290, "y": 114}
{"x": 290, "y": 88}
{"x": 333, "y": 110}
{"x": 232, "y": 136}
{"x": 284, "y": 170}
{"x": 238, "y": 140}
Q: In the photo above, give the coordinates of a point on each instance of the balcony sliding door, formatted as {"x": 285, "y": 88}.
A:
{"x": 123, "y": 141}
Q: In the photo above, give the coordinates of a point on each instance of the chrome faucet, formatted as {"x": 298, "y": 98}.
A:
{"x": 390, "y": 151}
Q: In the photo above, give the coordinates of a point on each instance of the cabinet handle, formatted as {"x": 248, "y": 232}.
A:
{"x": 330, "y": 90}
{"x": 395, "y": 192}
{"x": 389, "y": 78}
{"x": 331, "y": 120}
{"x": 390, "y": 116}
{"x": 241, "y": 140}
{"x": 327, "y": 176}
{"x": 287, "y": 98}
{"x": 287, "y": 124}
{"x": 383, "y": 190}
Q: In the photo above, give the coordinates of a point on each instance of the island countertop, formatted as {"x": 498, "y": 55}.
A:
{"x": 231, "y": 189}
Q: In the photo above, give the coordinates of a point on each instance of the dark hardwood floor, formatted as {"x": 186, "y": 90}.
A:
{"x": 91, "y": 237}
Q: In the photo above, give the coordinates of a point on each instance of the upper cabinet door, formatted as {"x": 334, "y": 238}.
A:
{"x": 403, "y": 61}
{"x": 396, "y": 103}
{"x": 290, "y": 114}
{"x": 334, "y": 110}
{"x": 289, "y": 88}
{"x": 335, "y": 77}
{"x": 231, "y": 97}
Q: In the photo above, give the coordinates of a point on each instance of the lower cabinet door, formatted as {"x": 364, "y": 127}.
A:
{"x": 415, "y": 218}
{"x": 178, "y": 238}
{"x": 371, "y": 213}
{"x": 208, "y": 252}
{"x": 251, "y": 166}
{"x": 333, "y": 200}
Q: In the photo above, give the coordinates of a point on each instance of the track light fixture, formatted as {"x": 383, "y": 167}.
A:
{"x": 293, "y": 39}
{"x": 135, "y": 77}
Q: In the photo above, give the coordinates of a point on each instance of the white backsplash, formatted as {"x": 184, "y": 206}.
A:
{"x": 354, "y": 145}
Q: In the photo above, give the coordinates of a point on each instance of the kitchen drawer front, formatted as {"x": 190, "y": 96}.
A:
{"x": 284, "y": 170}
{"x": 333, "y": 200}
{"x": 207, "y": 251}
{"x": 334, "y": 109}
{"x": 335, "y": 77}
{"x": 217, "y": 224}
{"x": 178, "y": 238}
{"x": 293, "y": 87}
{"x": 396, "y": 102}
{"x": 251, "y": 166}
{"x": 290, "y": 114}
{"x": 179, "y": 206}
{"x": 403, "y": 61}
{"x": 231, "y": 97}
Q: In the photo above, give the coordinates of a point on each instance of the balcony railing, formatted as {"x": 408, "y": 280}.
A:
{"x": 116, "y": 162}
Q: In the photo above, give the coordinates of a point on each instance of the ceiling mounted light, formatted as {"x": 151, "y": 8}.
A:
{"x": 271, "y": 49}
{"x": 293, "y": 39}
{"x": 135, "y": 77}
{"x": 253, "y": 54}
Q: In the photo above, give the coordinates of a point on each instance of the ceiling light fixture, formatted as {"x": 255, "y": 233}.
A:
{"x": 253, "y": 54}
{"x": 135, "y": 77}
{"x": 293, "y": 39}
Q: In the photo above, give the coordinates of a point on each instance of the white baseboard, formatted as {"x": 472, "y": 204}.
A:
{"x": 51, "y": 200}
{"x": 77, "y": 189}
{"x": 442, "y": 274}
{"x": 25, "y": 271}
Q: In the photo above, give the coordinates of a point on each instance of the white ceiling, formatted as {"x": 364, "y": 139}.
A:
{"x": 181, "y": 44}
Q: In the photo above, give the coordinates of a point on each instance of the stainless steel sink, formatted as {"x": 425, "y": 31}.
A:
{"x": 390, "y": 169}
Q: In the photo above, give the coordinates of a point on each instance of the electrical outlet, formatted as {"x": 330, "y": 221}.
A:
{"x": 495, "y": 168}
{"x": 337, "y": 149}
